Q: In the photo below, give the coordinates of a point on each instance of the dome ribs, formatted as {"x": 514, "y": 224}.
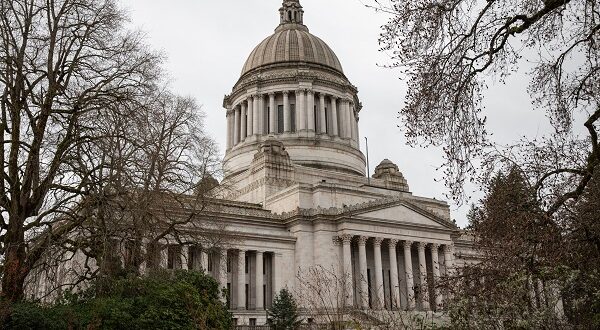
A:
{"x": 294, "y": 48}
{"x": 280, "y": 49}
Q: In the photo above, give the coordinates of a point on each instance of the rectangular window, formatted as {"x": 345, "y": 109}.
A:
{"x": 247, "y": 297}
{"x": 316, "y": 119}
{"x": 293, "y": 117}
{"x": 326, "y": 120}
{"x": 228, "y": 302}
{"x": 252, "y": 322}
{"x": 369, "y": 286}
{"x": 210, "y": 262}
{"x": 267, "y": 118}
{"x": 265, "y": 295}
{"x": 174, "y": 257}
{"x": 229, "y": 264}
{"x": 246, "y": 264}
{"x": 280, "y": 119}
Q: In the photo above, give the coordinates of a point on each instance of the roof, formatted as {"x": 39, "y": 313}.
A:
{"x": 292, "y": 44}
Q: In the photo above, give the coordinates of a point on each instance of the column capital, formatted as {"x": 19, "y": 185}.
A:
{"x": 241, "y": 251}
{"x": 377, "y": 241}
{"x": 393, "y": 242}
{"x": 271, "y": 94}
{"x": 310, "y": 91}
{"x": 407, "y": 244}
{"x": 422, "y": 245}
{"x": 285, "y": 92}
{"x": 362, "y": 240}
{"x": 435, "y": 246}
{"x": 333, "y": 97}
{"x": 346, "y": 239}
{"x": 448, "y": 247}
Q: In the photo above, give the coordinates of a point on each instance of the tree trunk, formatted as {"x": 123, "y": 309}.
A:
{"x": 15, "y": 267}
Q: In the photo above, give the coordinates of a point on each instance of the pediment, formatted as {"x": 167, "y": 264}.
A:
{"x": 404, "y": 213}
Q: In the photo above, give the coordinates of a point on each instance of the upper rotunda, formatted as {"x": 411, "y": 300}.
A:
{"x": 292, "y": 89}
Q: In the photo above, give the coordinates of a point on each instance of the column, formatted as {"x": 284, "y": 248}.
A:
{"x": 423, "y": 276}
{"x": 256, "y": 118}
{"x": 362, "y": 265}
{"x": 322, "y": 116}
{"x": 185, "y": 253}
{"x": 243, "y": 124}
{"x": 300, "y": 110}
{"x": 378, "y": 301}
{"x": 448, "y": 259}
{"x": 236, "y": 126}
{"x": 272, "y": 114}
{"x": 259, "y": 281}
{"x": 347, "y": 271}
{"x": 353, "y": 123}
{"x": 241, "y": 280}
{"x": 222, "y": 271}
{"x": 204, "y": 260}
{"x": 395, "y": 294}
{"x": 250, "y": 123}
{"x": 261, "y": 115}
{"x": 334, "y": 117}
{"x": 436, "y": 275}
{"x": 410, "y": 293}
{"x": 310, "y": 106}
{"x": 350, "y": 116}
{"x": 229, "y": 128}
{"x": 276, "y": 277}
{"x": 164, "y": 256}
{"x": 344, "y": 119}
{"x": 287, "y": 113}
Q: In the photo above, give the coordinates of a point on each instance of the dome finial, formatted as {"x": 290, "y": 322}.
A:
{"x": 291, "y": 12}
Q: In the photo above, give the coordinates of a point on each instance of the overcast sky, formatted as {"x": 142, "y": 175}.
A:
{"x": 207, "y": 42}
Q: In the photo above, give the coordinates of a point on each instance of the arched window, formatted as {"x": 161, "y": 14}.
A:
{"x": 294, "y": 16}
{"x": 289, "y": 16}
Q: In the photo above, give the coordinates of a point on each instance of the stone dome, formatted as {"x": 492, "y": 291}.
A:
{"x": 293, "y": 90}
{"x": 292, "y": 43}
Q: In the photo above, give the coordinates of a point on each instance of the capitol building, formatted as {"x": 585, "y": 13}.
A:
{"x": 299, "y": 197}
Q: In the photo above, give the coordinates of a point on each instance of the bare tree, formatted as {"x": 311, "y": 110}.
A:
{"x": 152, "y": 192}
{"x": 322, "y": 292}
{"x": 63, "y": 65}
{"x": 450, "y": 48}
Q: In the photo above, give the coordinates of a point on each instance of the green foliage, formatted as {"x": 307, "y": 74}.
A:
{"x": 284, "y": 313}
{"x": 165, "y": 300}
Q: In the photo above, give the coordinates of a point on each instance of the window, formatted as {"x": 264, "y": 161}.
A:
{"x": 369, "y": 286}
{"x": 174, "y": 257}
{"x": 280, "y": 118}
{"x": 293, "y": 117}
{"x": 247, "y": 297}
{"x": 315, "y": 116}
{"x": 289, "y": 16}
{"x": 210, "y": 262}
{"x": 265, "y": 295}
{"x": 326, "y": 121}
{"x": 229, "y": 264}
{"x": 246, "y": 265}
{"x": 228, "y": 302}
{"x": 252, "y": 321}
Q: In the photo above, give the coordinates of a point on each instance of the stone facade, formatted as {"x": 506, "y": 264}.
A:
{"x": 296, "y": 196}
{"x": 293, "y": 151}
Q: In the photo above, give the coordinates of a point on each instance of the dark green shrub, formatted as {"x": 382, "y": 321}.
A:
{"x": 164, "y": 300}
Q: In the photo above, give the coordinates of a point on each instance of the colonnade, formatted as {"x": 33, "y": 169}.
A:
{"x": 301, "y": 110}
{"x": 248, "y": 275}
{"x": 370, "y": 290}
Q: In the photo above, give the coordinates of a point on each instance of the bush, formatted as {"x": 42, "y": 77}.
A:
{"x": 165, "y": 300}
